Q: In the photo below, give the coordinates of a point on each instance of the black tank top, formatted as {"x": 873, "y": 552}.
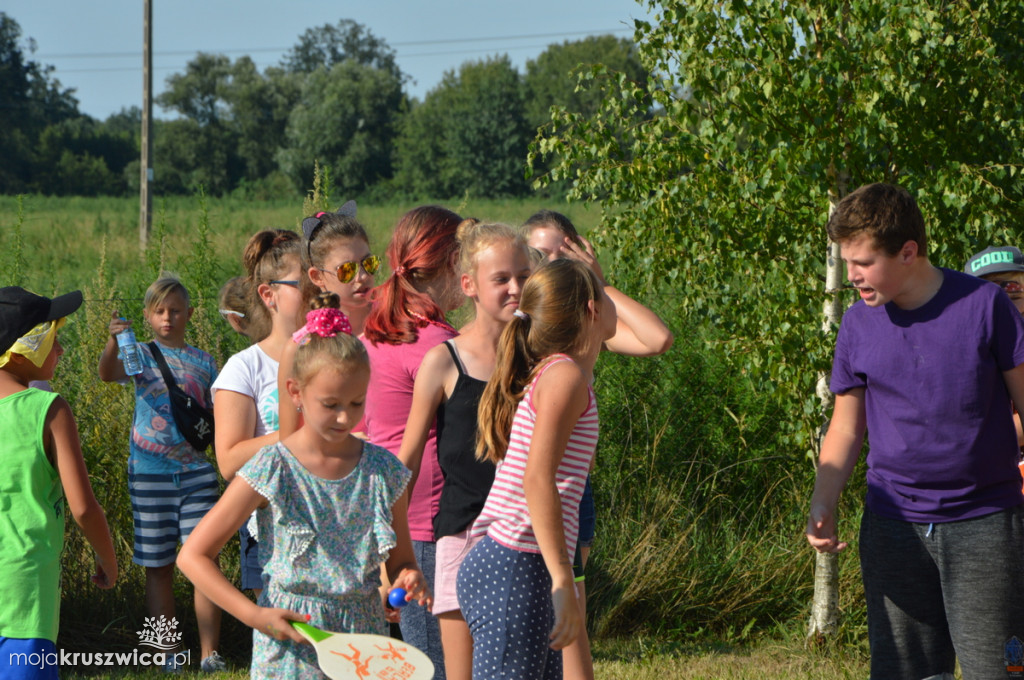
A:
{"x": 466, "y": 479}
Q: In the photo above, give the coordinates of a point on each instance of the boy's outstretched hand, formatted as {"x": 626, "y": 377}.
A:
{"x": 821, "y": 531}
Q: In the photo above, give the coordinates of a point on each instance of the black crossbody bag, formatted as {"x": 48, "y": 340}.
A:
{"x": 194, "y": 422}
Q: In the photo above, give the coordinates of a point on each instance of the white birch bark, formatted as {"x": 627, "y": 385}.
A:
{"x": 824, "y": 621}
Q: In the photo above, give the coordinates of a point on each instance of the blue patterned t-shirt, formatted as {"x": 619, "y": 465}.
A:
{"x": 156, "y": 445}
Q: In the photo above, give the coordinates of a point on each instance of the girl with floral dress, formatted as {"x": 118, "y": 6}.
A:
{"x": 330, "y": 508}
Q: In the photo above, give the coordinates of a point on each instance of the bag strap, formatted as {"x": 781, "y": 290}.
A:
{"x": 164, "y": 368}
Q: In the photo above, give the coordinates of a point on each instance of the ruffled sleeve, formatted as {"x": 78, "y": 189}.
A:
{"x": 390, "y": 480}
{"x": 263, "y": 471}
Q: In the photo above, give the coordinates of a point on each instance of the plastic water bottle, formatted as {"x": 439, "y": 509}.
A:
{"x": 128, "y": 347}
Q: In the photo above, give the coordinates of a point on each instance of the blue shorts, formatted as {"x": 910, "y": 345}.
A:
{"x": 249, "y": 561}
{"x": 505, "y": 597}
{"x": 588, "y": 525}
{"x": 588, "y": 517}
{"x": 28, "y": 659}
{"x": 165, "y": 509}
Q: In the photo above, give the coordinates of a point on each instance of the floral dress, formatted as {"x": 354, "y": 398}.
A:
{"x": 326, "y": 539}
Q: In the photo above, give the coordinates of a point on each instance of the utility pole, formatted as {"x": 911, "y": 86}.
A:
{"x": 145, "y": 167}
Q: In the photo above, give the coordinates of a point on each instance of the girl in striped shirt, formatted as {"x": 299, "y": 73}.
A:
{"x": 538, "y": 422}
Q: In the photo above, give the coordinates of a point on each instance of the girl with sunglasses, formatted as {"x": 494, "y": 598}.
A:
{"x": 245, "y": 394}
{"x": 336, "y": 258}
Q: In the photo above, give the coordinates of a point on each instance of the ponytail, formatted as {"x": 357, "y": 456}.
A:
{"x": 420, "y": 250}
{"x": 552, "y": 318}
{"x": 512, "y": 369}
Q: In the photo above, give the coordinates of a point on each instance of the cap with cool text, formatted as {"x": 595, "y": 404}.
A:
{"x": 21, "y": 311}
{"x": 994, "y": 260}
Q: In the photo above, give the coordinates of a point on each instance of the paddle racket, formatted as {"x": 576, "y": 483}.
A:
{"x": 359, "y": 656}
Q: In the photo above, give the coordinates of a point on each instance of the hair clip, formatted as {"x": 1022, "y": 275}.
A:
{"x": 400, "y": 271}
{"x": 326, "y": 322}
{"x": 520, "y": 314}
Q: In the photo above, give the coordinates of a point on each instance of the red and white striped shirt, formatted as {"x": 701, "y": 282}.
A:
{"x": 505, "y": 517}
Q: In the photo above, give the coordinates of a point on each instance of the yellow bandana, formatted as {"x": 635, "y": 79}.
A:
{"x": 36, "y": 344}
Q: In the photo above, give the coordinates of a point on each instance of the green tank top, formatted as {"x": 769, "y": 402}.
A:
{"x": 31, "y": 520}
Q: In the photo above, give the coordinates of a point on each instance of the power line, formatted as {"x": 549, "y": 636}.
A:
{"x": 252, "y": 50}
{"x": 121, "y": 69}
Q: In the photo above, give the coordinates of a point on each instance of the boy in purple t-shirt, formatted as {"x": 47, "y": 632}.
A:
{"x": 927, "y": 363}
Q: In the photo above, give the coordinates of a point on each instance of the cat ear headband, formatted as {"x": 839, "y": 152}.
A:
{"x": 311, "y": 224}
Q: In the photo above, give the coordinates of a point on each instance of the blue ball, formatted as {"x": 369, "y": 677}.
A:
{"x": 396, "y": 598}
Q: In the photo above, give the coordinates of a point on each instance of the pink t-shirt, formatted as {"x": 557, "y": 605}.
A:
{"x": 506, "y": 517}
{"x": 393, "y": 370}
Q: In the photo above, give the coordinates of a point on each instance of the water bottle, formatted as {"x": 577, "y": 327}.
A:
{"x": 128, "y": 348}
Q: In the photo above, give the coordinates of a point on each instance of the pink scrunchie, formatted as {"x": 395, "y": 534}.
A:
{"x": 326, "y": 322}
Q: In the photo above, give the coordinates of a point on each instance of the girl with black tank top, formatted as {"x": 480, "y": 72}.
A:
{"x": 495, "y": 264}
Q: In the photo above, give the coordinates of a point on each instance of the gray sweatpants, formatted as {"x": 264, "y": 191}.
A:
{"x": 939, "y": 592}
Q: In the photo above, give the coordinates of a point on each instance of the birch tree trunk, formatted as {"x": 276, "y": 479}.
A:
{"x": 824, "y": 620}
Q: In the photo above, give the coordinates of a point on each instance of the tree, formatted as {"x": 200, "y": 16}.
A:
{"x": 81, "y": 157}
{"x": 188, "y": 155}
{"x": 766, "y": 110}
{"x": 469, "y": 135}
{"x": 552, "y": 82}
{"x": 199, "y": 92}
{"x": 30, "y": 99}
{"x": 259, "y": 106}
{"x": 346, "y": 118}
{"x": 550, "y": 78}
{"x": 201, "y": 148}
{"x": 328, "y": 45}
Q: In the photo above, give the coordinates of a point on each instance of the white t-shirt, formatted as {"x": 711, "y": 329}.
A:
{"x": 253, "y": 373}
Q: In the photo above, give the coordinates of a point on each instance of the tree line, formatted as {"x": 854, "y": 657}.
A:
{"x": 337, "y": 98}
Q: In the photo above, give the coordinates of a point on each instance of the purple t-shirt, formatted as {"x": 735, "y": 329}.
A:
{"x": 942, "y": 444}
{"x": 393, "y": 370}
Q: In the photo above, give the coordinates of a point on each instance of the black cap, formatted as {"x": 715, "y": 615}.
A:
{"x": 994, "y": 260}
{"x": 21, "y": 311}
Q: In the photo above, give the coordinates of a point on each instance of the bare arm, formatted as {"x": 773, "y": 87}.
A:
{"x": 560, "y": 397}
{"x": 639, "y": 332}
{"x": 198, "y": 561}
{"x": 288, "y": 419}
{"x": 839, "y": 454}
{"x": 427, "y": 394}
{"x": 111, "y": 369}
{"x": 235, "y": 416}
{"x": 65, "y": 445}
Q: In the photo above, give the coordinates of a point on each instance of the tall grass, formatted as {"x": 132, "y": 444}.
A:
{"x": 700, "y": 507}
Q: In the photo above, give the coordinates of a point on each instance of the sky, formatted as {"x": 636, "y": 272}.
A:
{"x": 96, "y": 45}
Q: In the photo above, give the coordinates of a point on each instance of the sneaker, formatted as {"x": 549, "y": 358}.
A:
{"x": 213, "y": 663}
{"x": 171, "y": 664}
